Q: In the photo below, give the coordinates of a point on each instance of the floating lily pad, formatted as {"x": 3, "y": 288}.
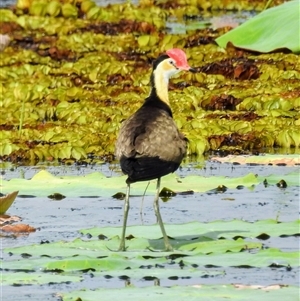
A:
{"x": 23, "y": 278}
{"x": 196, "y": 238}
{"x": 44, "y": 184}
{"x": 213, "y": 230}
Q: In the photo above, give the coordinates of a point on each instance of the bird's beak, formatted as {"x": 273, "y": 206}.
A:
{"x": 193, "y": 70}
{"x": 187, "y": 68}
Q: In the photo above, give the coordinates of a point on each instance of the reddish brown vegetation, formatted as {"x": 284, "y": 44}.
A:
{"x": 9, "y": 27}
{"x": 223, "y": 102}
{"x": 249, "y": 140}
{"x": 206, "y": 36}
{"x": 248, "y": 116}
{"x": 237, "y": 68}
{"x": 124, "y": 26}
{"x": 58, "y": 54}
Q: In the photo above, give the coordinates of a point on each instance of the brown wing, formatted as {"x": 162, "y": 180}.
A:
{"x": 151, "y": 134}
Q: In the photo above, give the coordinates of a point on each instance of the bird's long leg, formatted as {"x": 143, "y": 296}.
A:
{"x": 126, "y": 210}
{"x": 142, "y": 204}
{"x": 158, "y": 216}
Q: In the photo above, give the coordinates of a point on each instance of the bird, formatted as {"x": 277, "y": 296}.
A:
{"x": 149, "y": 144}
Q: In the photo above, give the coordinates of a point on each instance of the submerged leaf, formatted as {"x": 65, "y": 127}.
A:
{"x": 265, "y": 159}
{"x": 17, "y": 228}
{"x": 195, "y": 292}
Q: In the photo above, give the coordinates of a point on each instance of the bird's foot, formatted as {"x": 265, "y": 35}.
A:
{"x": 121, "y": 248}
{"x": 167, "y": 249}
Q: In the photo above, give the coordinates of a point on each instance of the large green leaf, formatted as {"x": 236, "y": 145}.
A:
{"x": 275, "y": 28}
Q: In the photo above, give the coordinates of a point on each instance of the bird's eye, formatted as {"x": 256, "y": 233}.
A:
{"x": 172, "y": 63}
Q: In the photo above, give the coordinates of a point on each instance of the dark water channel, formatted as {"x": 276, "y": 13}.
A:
{"x": 61, "y": 220}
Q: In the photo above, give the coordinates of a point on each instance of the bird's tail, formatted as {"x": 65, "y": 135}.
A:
{"x": 146, "y": 169}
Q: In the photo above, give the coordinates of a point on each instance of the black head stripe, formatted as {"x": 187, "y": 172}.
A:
{"x": 159, "y": 60}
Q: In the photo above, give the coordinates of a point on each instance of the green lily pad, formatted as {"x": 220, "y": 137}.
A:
{"x": 218, "y": 244}
{"x": 84, "y": 258}
{"x": 263, "y": 258}
{"x": 275, "y": 28}
{"x": 195, "y": 238}
{"x": 213, "y": 230}
{"x": 45, "y": 184}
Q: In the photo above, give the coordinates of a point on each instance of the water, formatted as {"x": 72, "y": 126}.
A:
{"x": 63, "y": 219}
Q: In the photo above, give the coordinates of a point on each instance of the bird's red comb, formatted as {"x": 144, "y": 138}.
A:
{"x": 179, "y": 57}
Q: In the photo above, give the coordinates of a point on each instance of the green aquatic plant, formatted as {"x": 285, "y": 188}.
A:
{"x": 78, "y": 78}
{"x": 200, "y": 252}
{"x": 44, "y": 183}
{"x": 273, "y": 29}
{"x": 7, "y": 200}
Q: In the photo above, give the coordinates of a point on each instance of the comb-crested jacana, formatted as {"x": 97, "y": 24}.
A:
{"x": 149, "y": 145}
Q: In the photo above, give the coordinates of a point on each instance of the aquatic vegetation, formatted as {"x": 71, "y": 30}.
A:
{"x": 7, "y": 200}
{"x": 74, "y": 71}
{"x": 258, "y": 33}
{"x": 45, "y": 184}
{"x": 203, "y": 250}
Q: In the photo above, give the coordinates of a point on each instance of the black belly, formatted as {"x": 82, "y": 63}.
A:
{"x": 146, "y": 168}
